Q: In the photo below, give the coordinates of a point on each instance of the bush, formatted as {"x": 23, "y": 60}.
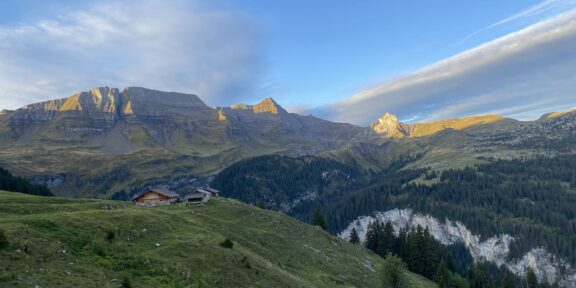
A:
{"x": 126, "y": 283}
{"x": 227, "y": 243}
{"x": 395, "y": 272}
{"x": 3, "y": 240}
{"x": 110, "y": 236}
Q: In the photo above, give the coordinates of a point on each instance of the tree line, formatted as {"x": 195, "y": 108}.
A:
{"x": 418, "y": 251}
{"x": 8, "y": 182}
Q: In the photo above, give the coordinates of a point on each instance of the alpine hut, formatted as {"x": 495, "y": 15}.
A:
{"x": 201, "y": 195}
{"x": 155, "y": 197}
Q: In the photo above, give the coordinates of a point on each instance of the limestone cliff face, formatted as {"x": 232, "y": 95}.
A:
{"x": 389, "y": 126}
{"x": 267, "y": 105}
{"x": 494, "y": 249}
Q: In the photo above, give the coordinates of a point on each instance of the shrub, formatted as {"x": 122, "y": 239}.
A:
{"x": 3, "y": 240}
{"x": 395, "y": 272}
{"x": 227, "y": 243}
{"x": 126, "y": 283}
{"x": 110, "y": 236}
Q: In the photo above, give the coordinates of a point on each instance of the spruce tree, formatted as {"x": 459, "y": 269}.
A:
{"x": 318, "y": 219}
{"x": 508, "y": 280}
{"x": 442, "y": 275}
{"x": 3, "y": 240}
{"x": 354, "y": 236}
{"x": 372, "y": 237}
{"x": 260, "y": 204}
{"x": 531, "y": 279}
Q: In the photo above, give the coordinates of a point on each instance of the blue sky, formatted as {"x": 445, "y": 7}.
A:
{"x": 339, "y": 60}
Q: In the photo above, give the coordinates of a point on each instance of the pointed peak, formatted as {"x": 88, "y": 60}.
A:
{"x": 388, "y": 117}
{"x": 267, "y": 105}
{"x": 386, "y": 124}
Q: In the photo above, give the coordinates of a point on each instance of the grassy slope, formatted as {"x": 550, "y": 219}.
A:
{"x": 66, "y": 247}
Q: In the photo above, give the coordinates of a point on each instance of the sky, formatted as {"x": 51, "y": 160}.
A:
{"x": 346, "y": 61}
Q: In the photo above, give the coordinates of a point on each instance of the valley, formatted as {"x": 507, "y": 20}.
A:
{"x": 493, "y": 176}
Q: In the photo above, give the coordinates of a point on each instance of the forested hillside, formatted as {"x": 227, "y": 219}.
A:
{"x": 281, "y": 182}
{"x": 531, "y": 199}
{"x": 17, "y": 184}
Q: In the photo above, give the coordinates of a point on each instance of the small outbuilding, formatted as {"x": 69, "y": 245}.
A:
{"x": 201, "y": 195}
{"x": 155, "y": 197}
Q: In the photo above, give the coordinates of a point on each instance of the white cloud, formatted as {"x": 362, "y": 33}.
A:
{"x": 534, "y": 65}
{"x": 542, "y": 10}
{"x": 168, "y": 45}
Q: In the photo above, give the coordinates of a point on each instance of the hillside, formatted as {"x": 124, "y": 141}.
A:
{"x": 58, "y": 242}
{"x": 527, "y": 200}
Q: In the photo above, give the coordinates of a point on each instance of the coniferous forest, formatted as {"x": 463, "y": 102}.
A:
{"x": 530, "y": 199}
{"x": 17, "y": 184}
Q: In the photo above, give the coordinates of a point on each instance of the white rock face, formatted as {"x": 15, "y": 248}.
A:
{"x": 386, "y": 124}
{"x": 494, "y": 249}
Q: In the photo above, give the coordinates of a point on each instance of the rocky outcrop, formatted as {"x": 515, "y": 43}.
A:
{"x": 495, "y": 249}
{"x": 389, "y": 126}
{"x": 267, "y": 105}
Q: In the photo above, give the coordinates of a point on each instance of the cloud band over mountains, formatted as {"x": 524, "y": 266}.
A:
{"x": 520, "y": 75}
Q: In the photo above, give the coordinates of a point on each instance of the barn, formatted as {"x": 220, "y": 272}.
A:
{"x": 155, "y": 197}
{"x": 201, "y": 195}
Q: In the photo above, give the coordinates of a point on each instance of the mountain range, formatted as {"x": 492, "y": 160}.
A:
{"x": 484, "y": 178}
{"x": 107, "y": 141}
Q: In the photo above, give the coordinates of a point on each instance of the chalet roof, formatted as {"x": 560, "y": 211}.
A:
{"x": 211, "y": 190}
{"x": 203, "y": 191}
{"x": 160, "y": 191}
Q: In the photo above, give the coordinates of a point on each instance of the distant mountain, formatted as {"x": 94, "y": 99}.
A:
{"x": 111, "y": 142}
{"x": 108, "y": 140}
{"x": 389, "y": 125}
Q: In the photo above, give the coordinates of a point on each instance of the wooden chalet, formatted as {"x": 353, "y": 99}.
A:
{"x": 201, "y": 195}
{"x": 155, "y": 197}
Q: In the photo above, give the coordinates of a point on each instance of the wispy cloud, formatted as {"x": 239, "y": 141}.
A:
{"x": 528, "y": 66}
{"x": 177, "y": 46}
{"x": 542, "y": 10}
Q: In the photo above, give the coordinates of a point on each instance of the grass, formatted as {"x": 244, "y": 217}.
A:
{"x": 59, "y": 242}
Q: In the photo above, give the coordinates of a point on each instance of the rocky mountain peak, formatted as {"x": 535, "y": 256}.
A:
{"x": 268, "y": 105}
{"x": 386, "y": 124}
{"x": 102, "y": 99}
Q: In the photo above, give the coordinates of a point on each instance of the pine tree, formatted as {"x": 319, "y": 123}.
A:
{"x": 531, "y": 279}
{"x": 387, "y": 240}
{"x": 508, "y": 280}
{"x": 371, "y": 241}
{"x": 3, "y": 240}
{"x": 354, "y": 236}
{"x": 318, "y": 219}
{"x": 442, "y": 275}
{"x": 260, "y": 204}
